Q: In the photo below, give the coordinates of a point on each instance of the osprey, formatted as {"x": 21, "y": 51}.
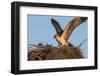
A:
{"x": 62, "y": 36}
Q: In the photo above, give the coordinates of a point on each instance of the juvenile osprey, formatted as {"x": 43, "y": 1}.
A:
{"x": 62, "y": 36}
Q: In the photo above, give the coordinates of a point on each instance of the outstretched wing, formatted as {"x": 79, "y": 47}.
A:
{"x": 71, "y": 26}
{"x": 56, "y": 25}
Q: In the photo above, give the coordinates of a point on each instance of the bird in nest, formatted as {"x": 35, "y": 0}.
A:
{"x": 62, "y": 36}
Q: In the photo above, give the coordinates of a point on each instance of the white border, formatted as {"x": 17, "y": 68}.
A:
{"x": 26, "y": 65}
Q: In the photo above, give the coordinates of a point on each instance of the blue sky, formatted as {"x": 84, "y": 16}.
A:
{"x": 41, "y": 30}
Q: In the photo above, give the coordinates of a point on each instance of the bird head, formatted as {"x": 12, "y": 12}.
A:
{"x": 56, "y": 36}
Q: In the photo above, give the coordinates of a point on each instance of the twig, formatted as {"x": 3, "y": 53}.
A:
{"x": 81, "y": 43}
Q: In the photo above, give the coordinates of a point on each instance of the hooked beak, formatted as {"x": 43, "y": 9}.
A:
{"x": 54, "y": 37}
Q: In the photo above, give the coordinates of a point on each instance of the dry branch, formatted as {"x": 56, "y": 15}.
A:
{"x": 49, "y": 52}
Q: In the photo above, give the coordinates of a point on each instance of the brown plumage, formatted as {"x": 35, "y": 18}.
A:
{"x": 63, "y": 36}
{"x": 57, "y": 26}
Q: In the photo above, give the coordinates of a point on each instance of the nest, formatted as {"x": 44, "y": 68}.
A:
{"x": 49, "y": 52}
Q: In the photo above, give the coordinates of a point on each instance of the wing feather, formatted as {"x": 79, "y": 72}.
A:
{"x": 71, "y": 26}
{"x": 56, "y": 25}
